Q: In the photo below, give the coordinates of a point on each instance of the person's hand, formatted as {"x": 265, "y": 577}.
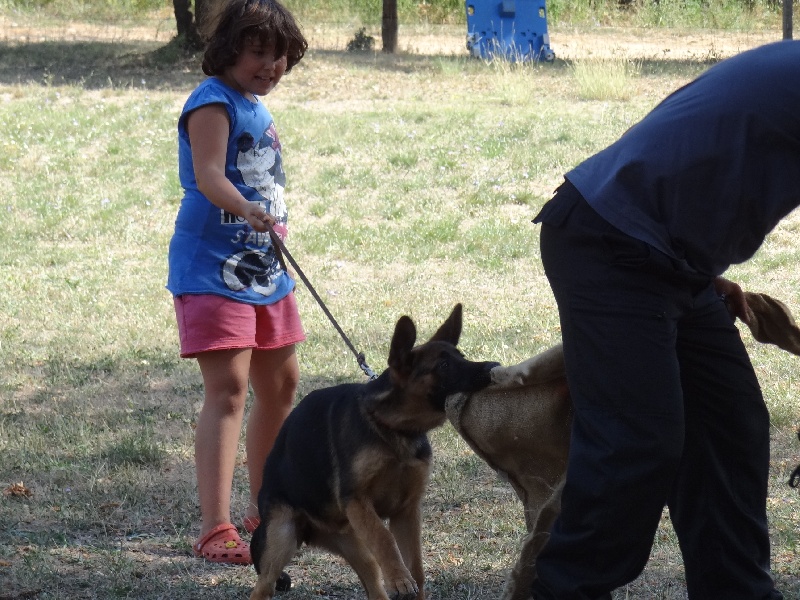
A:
{"x": 257, "y": 217}
{"x": 733, "y": 296}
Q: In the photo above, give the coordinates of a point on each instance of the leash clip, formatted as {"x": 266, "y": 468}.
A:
{"x": 362, "y": 362}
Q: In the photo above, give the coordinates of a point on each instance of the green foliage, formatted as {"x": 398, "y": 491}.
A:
{"x": 361, "y": 42}
{"x": 744, "y": 15}
{"x": 89, "y": 10}
{"x": 710, "y": 14}
{"x": 369, "y": 11}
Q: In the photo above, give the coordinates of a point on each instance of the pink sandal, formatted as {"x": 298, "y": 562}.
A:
{"x": 223, "y": 545}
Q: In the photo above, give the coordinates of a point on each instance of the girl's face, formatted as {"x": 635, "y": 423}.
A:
{"x": 257, "y": 71}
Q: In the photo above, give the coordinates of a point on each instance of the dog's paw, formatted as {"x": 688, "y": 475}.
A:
{"x": 506, "y": 377}
{"x": 542, "y": 368}
{"x": 402, "y": 588}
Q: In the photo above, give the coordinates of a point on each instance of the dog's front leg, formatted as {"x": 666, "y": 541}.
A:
{"x": 407, "y": 531}
{"x": 369, "y": 528}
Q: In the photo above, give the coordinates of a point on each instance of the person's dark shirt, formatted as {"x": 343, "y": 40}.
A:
{"x": 710, "y": 171}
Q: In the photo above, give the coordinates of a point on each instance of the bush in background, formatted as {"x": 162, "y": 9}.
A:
{"x": 743, "y": 15}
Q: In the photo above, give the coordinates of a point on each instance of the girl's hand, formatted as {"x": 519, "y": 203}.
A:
{"x": 733, "y": 296}
{"x": 257, "y": 217}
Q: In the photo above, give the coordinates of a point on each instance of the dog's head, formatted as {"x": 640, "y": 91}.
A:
{"x": 422, "y": 377}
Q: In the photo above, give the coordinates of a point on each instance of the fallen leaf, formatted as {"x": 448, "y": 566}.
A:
{"x": 18, "y": 490}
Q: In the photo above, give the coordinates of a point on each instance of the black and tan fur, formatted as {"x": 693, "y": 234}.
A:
{"x": 352, "y": 456}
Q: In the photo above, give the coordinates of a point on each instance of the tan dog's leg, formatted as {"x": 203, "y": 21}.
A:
{"x": 370, "y": 530}
{"x": 407, "y": 531}
{"x": 521, "y": 576}
{"x": 281, "y": 546}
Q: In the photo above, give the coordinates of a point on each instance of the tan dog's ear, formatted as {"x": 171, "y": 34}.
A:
{"x": 771, "y": 322}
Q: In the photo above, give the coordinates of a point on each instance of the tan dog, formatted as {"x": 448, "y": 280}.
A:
{"x": 520, "y": 425}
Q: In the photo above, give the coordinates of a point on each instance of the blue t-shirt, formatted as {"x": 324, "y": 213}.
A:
{"x": 711, "y": 170}
{"x": 216, "y": 252}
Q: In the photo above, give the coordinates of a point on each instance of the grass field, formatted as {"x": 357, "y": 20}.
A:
{"x": 412, "y": 182}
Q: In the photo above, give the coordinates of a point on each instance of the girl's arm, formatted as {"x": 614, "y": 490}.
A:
{"x": 208, "y": 129}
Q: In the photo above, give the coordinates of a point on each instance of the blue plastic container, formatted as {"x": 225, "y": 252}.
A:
{"x": 513, "y": 29}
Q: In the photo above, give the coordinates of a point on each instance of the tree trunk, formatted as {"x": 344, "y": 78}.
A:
{"x": 186, "y": 26}
{"x": 389, "y": 26}
{"x": 787, "y": 19}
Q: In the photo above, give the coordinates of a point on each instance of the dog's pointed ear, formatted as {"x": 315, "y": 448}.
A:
{"x": 405, "y": 334}
{"x": 450, "y": 330}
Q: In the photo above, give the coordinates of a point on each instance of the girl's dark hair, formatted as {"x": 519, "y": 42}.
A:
{"x": 268, "y": 21}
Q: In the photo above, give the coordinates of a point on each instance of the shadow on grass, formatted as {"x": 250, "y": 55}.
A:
{"x": 151, "y": 65}
{"x": 105, "y": 449}
{"x": 102, "y": 450}
{"x": 99, "y": 65}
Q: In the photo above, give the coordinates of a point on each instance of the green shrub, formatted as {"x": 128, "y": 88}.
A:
{"x": 722, "y": 14}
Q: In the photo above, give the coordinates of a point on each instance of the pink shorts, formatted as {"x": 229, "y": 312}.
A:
{"x": 208, "y": 322}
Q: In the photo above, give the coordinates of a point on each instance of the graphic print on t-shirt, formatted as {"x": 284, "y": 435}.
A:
{"x": 260, "y": 167}
{"x": 252, "y": 268}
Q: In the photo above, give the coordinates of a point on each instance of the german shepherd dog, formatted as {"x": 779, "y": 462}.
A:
{"x": 352, "y": 456}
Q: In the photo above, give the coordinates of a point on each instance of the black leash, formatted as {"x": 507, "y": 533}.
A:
{"x": 281, "y": 251}
{"x": 794, "y": 478}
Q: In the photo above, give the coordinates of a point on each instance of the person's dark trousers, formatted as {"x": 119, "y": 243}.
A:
{"x": 668, "y": 410}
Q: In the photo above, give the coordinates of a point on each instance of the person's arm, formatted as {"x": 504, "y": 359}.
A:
{"x": 734, "y": 298}
{"x": 208, "y": 128}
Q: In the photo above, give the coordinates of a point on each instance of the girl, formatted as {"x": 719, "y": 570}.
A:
{"x": 234, "y": 302}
